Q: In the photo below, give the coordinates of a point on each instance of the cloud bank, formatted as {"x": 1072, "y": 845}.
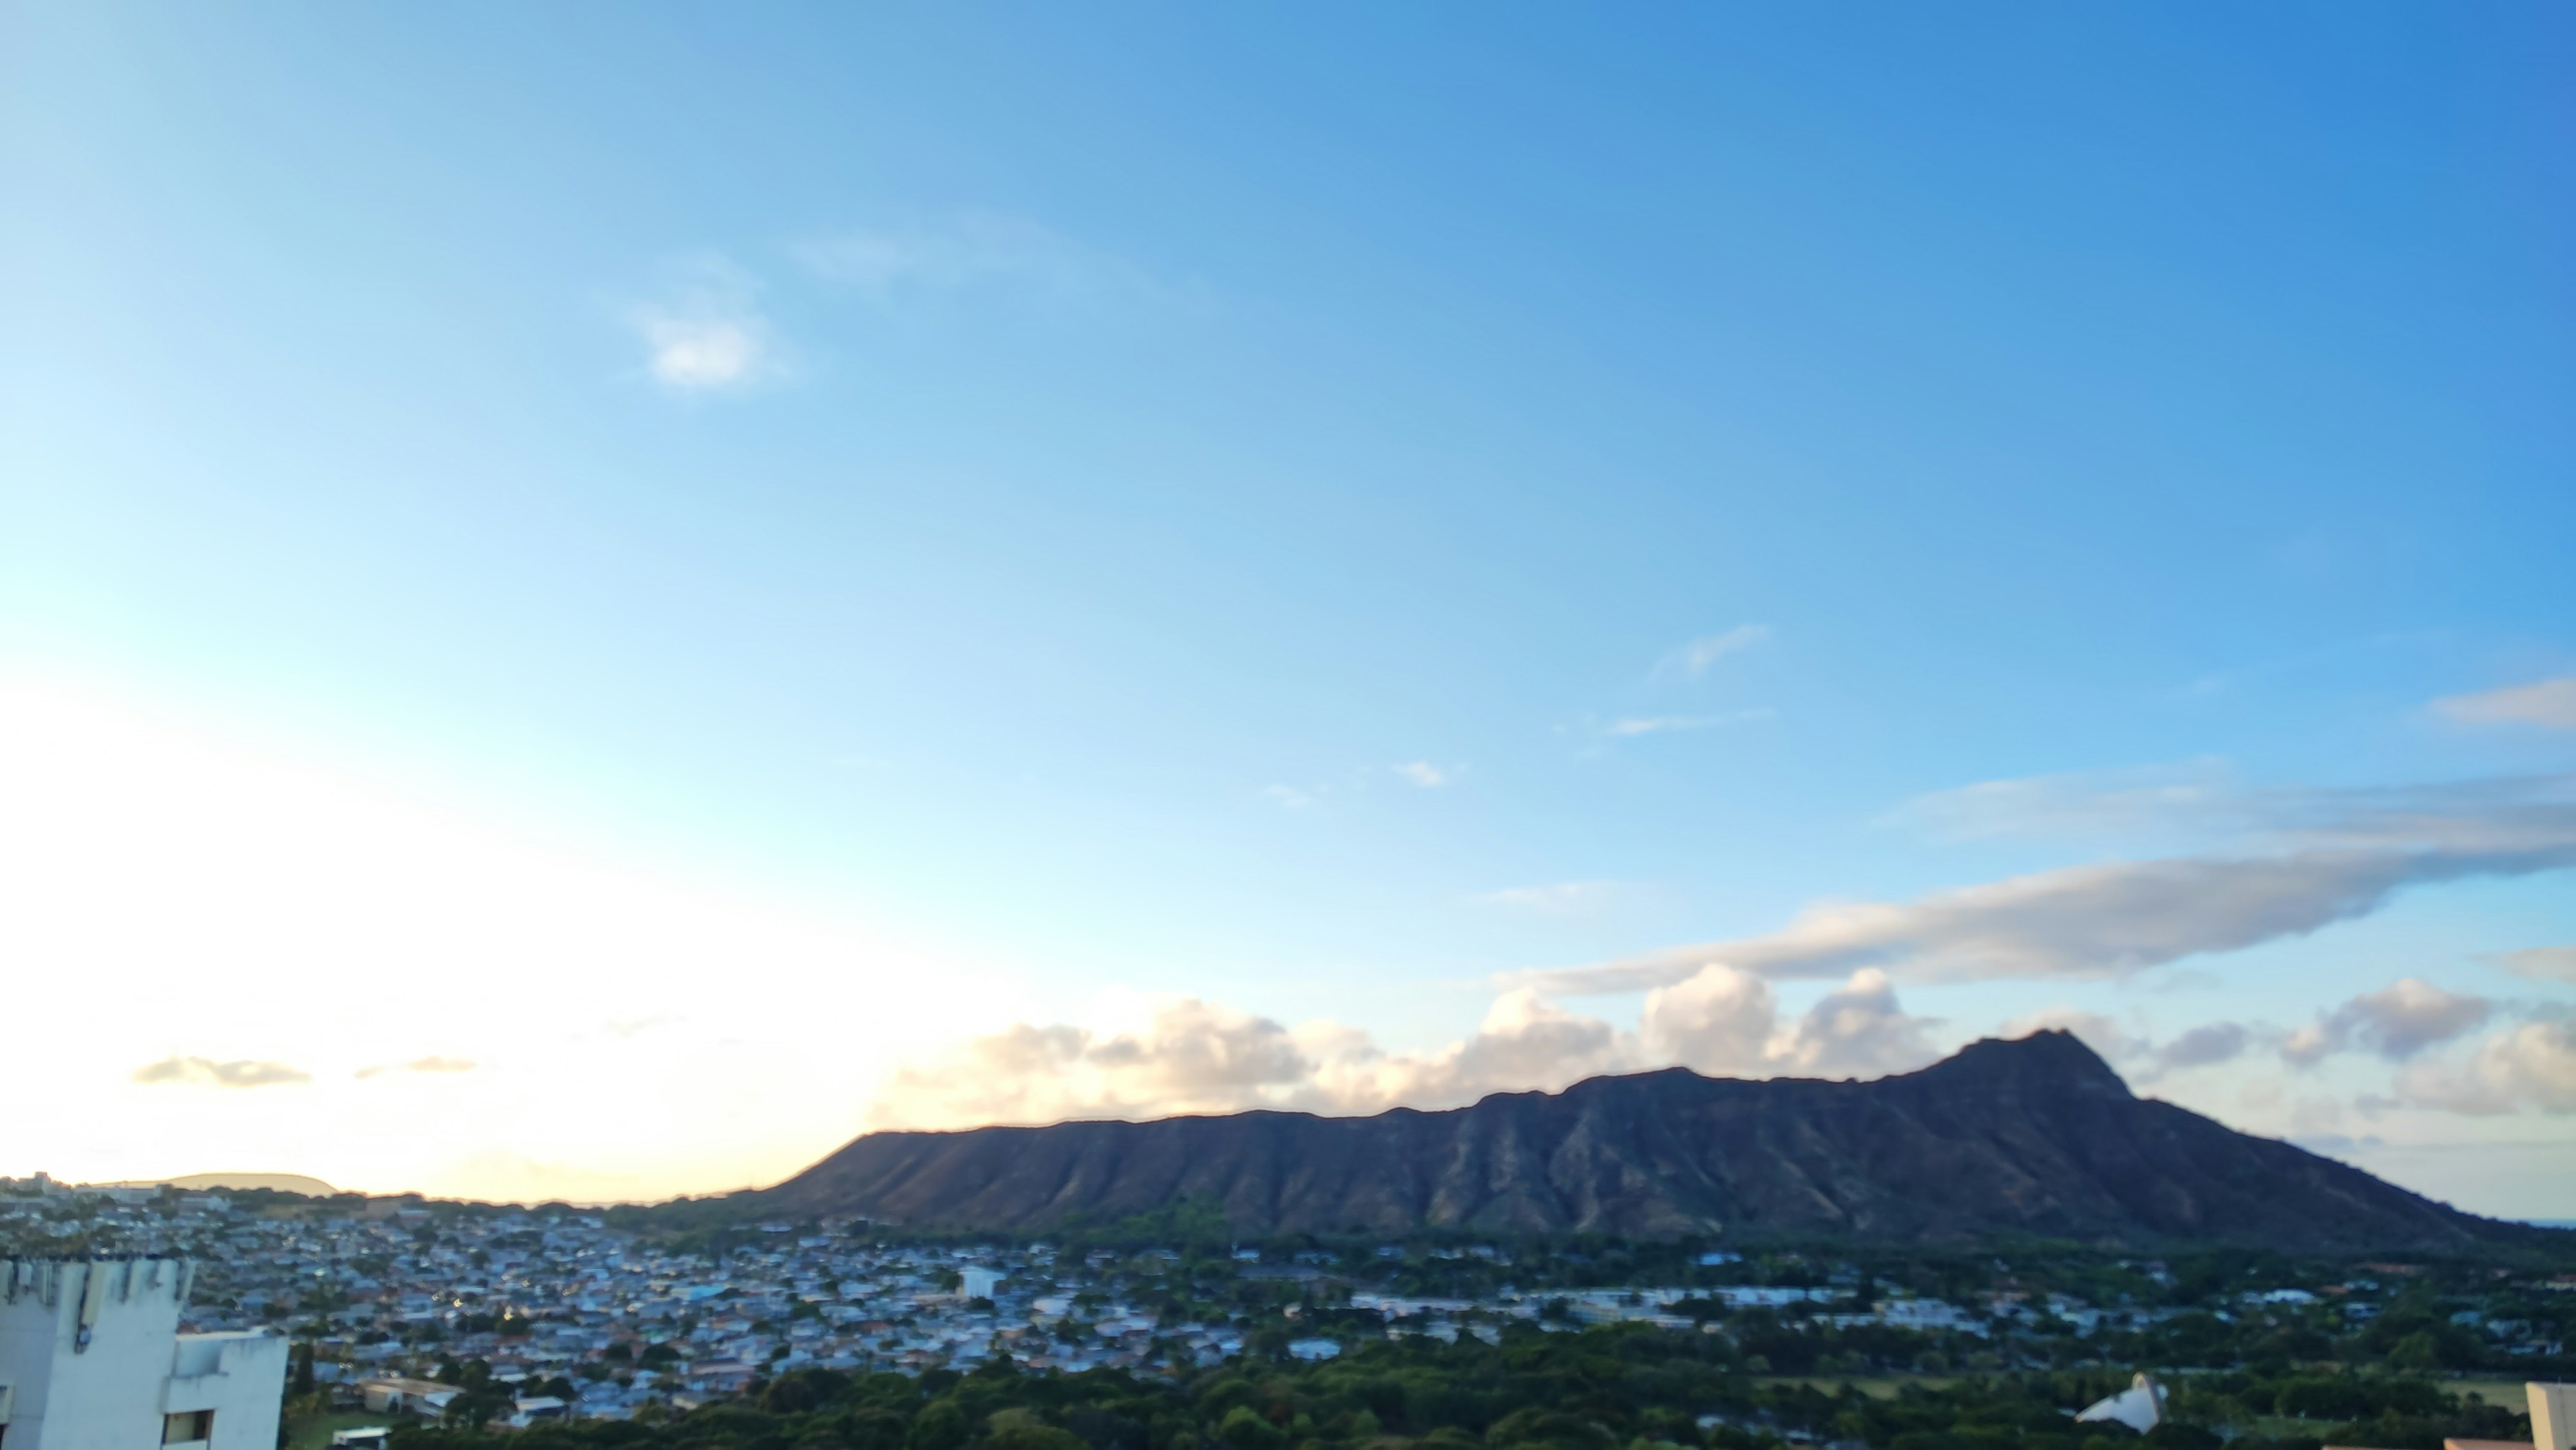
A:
{"x": 2333, "y": 856}
{"x": 1195, "y": 1056}
{"x": 1199, "y": 1057}
{"x": 2299, "y": 860}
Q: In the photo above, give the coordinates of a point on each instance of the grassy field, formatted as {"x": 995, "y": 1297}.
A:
{"x": 2508, "y": 1393}
{"x": 313, "y": 1432}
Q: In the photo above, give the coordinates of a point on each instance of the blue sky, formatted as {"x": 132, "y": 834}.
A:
{"x": 1278, "y": 542}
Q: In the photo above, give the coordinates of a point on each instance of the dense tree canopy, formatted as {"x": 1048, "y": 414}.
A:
{"x": 1625, "y": 1387}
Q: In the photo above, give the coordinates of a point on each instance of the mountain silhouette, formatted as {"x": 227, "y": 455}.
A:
{"x": 2032, "y": 1137}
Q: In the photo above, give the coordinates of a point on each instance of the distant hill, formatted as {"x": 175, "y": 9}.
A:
{"x": 2030, "y": 1137}
{"x": 205, "y": 1182}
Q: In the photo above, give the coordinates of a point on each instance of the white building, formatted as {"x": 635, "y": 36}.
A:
{"x": 975, "y": 1283}
{"x": 2140, "y": 1407}
{"x": 91, "y": 1358}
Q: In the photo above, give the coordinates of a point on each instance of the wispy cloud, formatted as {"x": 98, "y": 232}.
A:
{"x": 1560, "y": 898}
{"x": 706, "y": 333}
{"x": 1692, "y": 658}
{"x": 205, "y": 1071}
{"x": 2332, "y": 856}
{"x": 2550, "y": 704}
{"x": 1665, "y": 724}
{"x": 1288, "y": 797}
{"x": 974, "y": 249}
{"x": 2104, "y": 803}
{"x": 418, "y": 1064}
{"x": 1427, "y": 775}
{"x": 2542, "y": 964}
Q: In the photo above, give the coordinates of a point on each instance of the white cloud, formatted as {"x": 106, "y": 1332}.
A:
{"x": 207, "y": 1072}
{"x": 1425, "y": 774}
{"x": 696, "y": 352}
{"x": 2396, "y": 1023}
{"x": 2547, "y": 703}
{"x": 1857, "y": 1030}
{"x": 1726, "y": 1022}
{"x": 1692, "y": 658}
{"x": 1718, "y": 1021}
{"x": 1199, "y": 1057}
{"x": 1192, "y": 1058}
{"x": 1524, "y": 1043}
{"x": 1560, "y": 898}
{"x": 708, "y": 333}
{"x": 2533, "y": 1065}
{"x": 2335, "y": 856}
{"x": 1664, "y": 724}
{"x": 2545, "y": 964}
{"x": 1288, "y": 797}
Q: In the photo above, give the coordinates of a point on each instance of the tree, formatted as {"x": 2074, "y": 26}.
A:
{"x": 941, "y": 1425}
{"x": 1243, "y": 1428}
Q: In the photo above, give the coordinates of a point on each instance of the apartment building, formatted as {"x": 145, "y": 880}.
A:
{"x": 91, "y": 1358}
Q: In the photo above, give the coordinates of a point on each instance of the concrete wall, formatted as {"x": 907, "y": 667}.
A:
{"x": 102, "y": 1394}
{"x": 93, "y": 1354}
{"x": 243, "y": 1389}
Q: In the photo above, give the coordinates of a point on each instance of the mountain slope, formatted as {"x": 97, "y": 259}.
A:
{"x": 2036, "y": 1136}
{"x": 204, "y": 1182}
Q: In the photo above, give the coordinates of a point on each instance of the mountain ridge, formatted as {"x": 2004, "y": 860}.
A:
{"x": 2036, "y": 1136}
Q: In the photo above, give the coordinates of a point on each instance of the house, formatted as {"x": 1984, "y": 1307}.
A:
{"x": 395, "y": 1395}
{"x": 528, "y": 1411}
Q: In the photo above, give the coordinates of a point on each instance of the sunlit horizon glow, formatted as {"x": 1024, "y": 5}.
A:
{"x": 341, "y": 977}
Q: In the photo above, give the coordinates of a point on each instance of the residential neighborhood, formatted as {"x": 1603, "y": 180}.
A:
{"x": 565, "y": 1316}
